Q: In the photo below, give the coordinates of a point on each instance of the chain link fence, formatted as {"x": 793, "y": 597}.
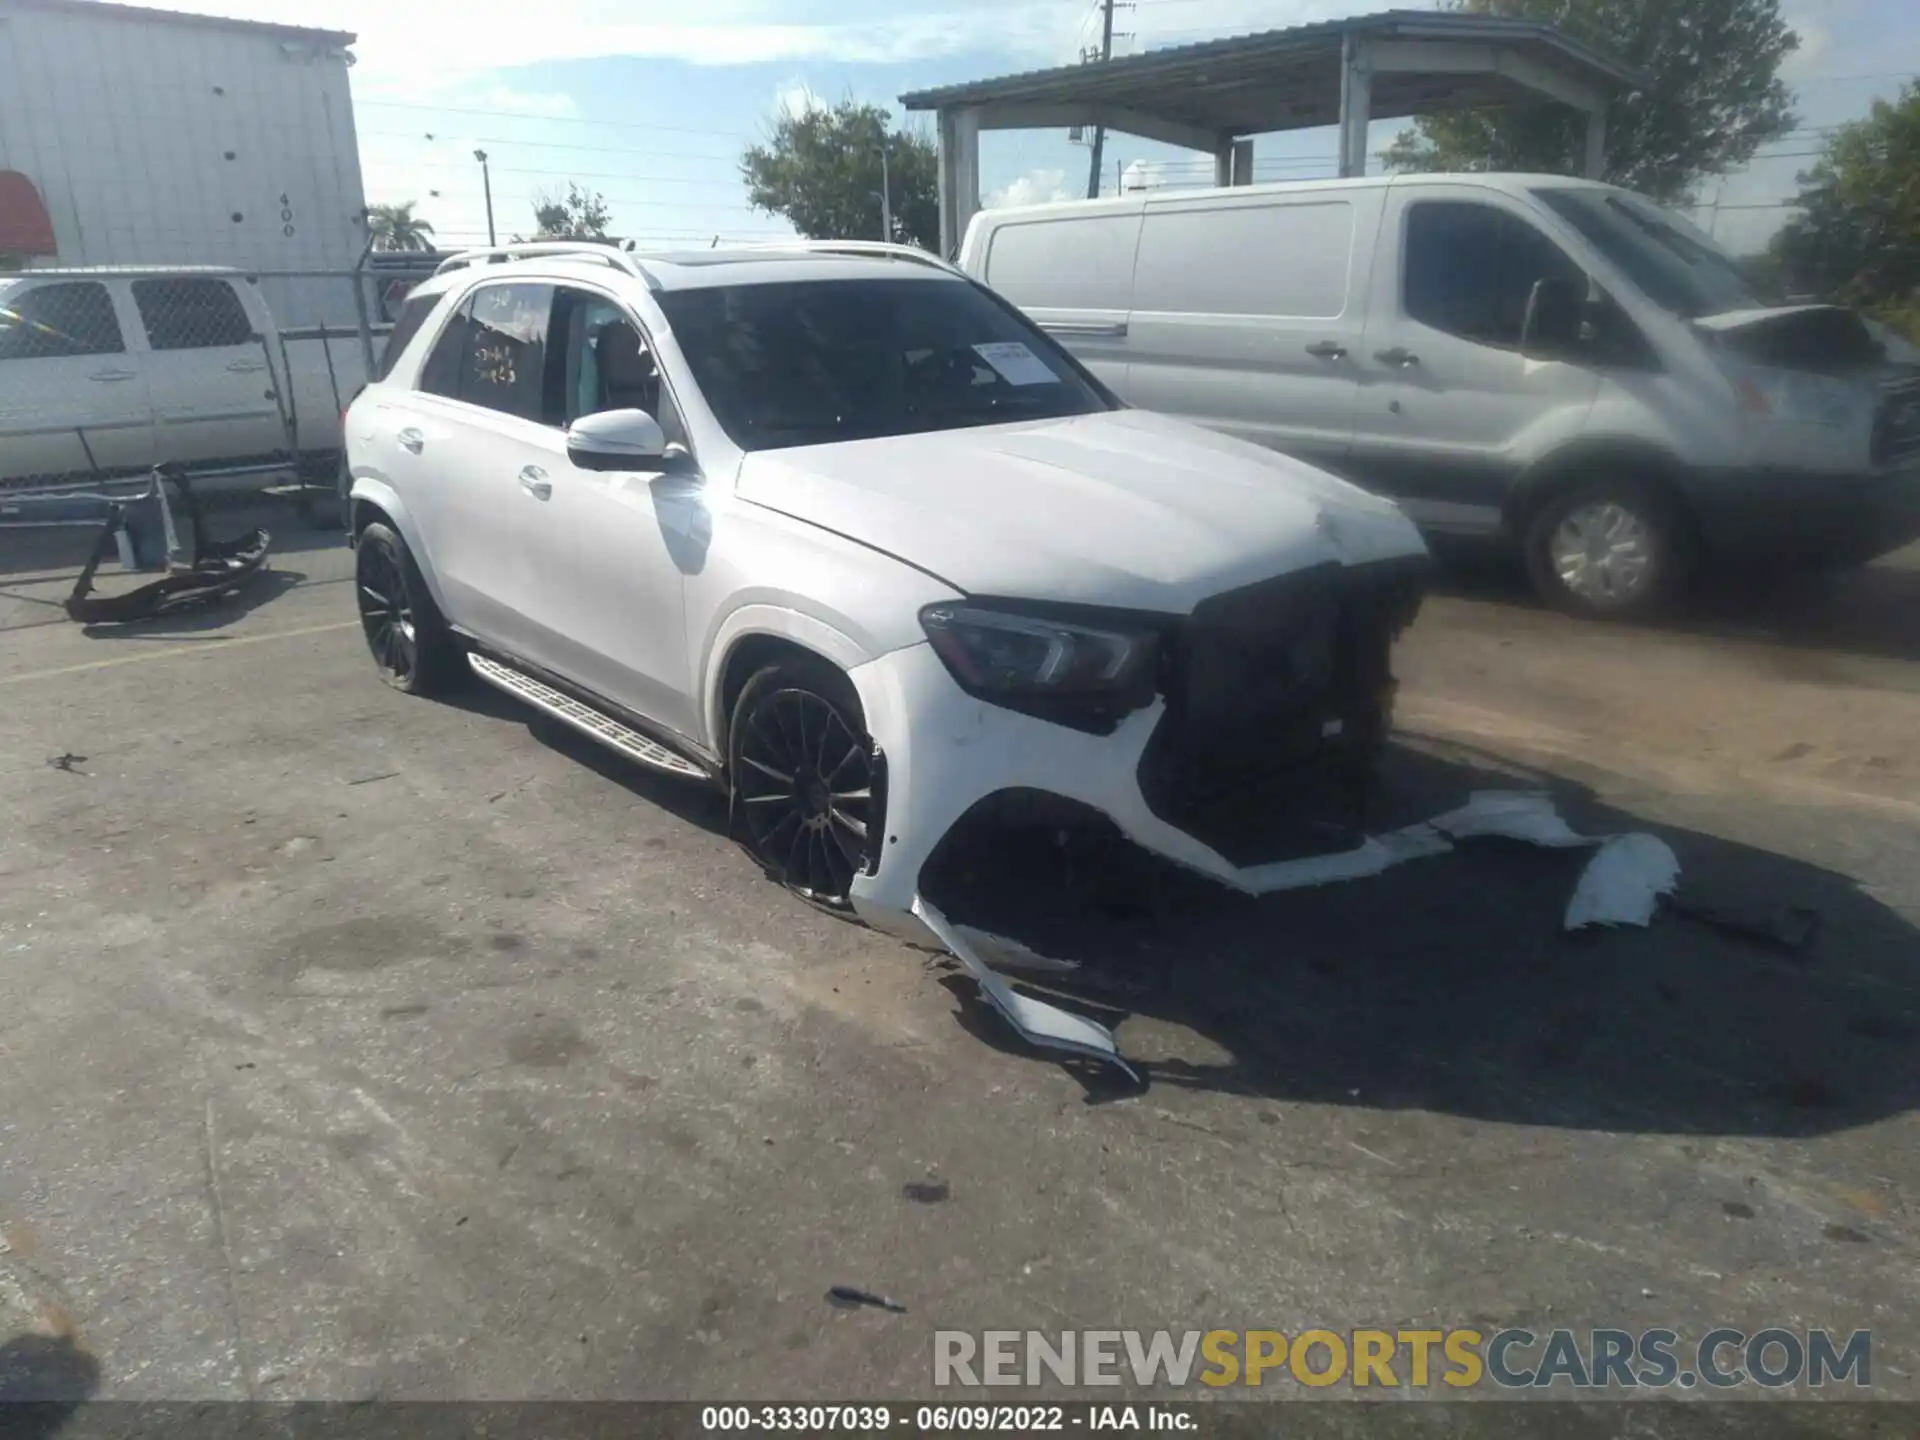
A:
{"x": 240, "y": 379}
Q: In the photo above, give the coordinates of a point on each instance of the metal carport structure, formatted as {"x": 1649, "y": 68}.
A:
{"x": 1346, "y": 72}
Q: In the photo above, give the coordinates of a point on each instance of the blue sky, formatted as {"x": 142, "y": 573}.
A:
{"x": 651, "y": 102}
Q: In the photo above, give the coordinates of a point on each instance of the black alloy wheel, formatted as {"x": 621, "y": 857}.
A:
{"x": 803, "y": 778}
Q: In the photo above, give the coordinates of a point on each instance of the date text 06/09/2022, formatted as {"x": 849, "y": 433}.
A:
{"x": 940, "y": 1419}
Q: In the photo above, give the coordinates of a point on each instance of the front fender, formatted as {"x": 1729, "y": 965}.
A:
{"x": 810, "y": 632}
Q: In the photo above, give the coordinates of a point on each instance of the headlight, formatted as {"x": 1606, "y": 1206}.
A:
{"x": 1076, "y": 673}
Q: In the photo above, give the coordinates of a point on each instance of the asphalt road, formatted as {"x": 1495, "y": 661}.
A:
{"x": 353, "y": 1045}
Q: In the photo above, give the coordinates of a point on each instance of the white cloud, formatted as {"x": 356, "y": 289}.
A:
{"x": 796, "y": 97}
{"x": 1036, "y": 187}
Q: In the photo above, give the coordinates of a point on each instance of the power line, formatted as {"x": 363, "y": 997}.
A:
{"x": 547, "y": 119}
{"x": 436, "y": 138}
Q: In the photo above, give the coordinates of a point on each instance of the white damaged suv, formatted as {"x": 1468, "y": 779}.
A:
{"x": 833, "y": 526}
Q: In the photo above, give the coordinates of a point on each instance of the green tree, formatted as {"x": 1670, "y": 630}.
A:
{"x": 1857, "y": 237}
{"x": 577, "y": 215}
{"x": 396, "y": 227}
{"x": 821, "y": 169}
{"x": 1713, "y": 96}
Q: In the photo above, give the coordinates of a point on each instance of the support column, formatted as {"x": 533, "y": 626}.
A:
{"x": 1596, "y": 143}
{"x": 1356, "y": 105}
{"x": 959, "y": 177}
{"x": 1243, "y": 162}
{"x": 1223, "y": 161}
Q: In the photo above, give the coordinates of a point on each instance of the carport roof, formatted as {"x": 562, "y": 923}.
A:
{"x": 1290, "y": 79}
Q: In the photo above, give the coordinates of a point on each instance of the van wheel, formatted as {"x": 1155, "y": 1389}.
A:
{"x": 802, "y": 768}
{"x": 1609, "y": 549}
{"x": 411, "y": 643}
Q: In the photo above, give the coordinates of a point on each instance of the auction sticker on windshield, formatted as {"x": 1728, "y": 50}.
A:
{"x": 1016, "y": 364}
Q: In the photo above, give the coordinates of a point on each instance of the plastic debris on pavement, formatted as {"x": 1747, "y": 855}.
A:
{"x": 1621, "y": 885}
{"x": 1623, "y": 882}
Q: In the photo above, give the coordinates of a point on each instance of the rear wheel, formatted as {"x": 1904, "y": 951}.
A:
{"x": 1609, "y": 548}
{"x": 411, "y": 643}
{"x": 803, "y": 777}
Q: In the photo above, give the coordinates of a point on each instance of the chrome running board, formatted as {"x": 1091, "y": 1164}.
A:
{"x": 595, "y": 724}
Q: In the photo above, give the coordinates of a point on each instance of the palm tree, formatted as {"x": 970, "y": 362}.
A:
{"x": 395, "y": 227}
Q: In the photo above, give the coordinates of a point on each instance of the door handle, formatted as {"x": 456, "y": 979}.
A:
{"x": 109, "y": 377}
{"x": 246, "y": 367}
{"x": 411, "y": 440}
{"x": 1399, "y": 357}
{"x": 534, "y": 481}
{"x": 1327, "y": 350}
{"x": 1088, "y": 329}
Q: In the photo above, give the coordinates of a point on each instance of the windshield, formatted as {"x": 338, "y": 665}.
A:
{"x": 1673, "y": 262}
{"x": 815, "y": 361}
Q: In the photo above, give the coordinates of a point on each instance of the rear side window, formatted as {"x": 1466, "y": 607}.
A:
{"x": 1286, "y": 260}
{"x": 47, "y": 322}
{"x": 413, "y": 315}
{"x": 1065, "y": 264}
{"x": 494, "y": 352}
{"x": 191, "y": 314}
{"x": 1470, "y": 268}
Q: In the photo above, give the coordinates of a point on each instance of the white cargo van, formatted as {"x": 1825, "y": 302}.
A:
{"x": 107, "y": 371}
{"x": 1555, "y": 363}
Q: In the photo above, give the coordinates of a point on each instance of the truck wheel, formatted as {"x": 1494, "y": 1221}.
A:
{"x": 1609, "y": 549}
{"x": 802, "y": 769}
{"x": 410, "y": 641}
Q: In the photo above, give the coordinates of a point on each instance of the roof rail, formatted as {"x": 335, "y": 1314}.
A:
{"x": 617, "y": 257}
{"x": 877, "y": 249}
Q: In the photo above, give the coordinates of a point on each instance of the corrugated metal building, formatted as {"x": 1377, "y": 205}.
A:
{"x": 153, "y": 137}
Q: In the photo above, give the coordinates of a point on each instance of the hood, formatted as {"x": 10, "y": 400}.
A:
{"x": 1825, "y": 338}
{"x": 1122, "y": 508}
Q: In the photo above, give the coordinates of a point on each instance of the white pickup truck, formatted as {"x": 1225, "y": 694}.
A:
{"x": 111, "y": 371}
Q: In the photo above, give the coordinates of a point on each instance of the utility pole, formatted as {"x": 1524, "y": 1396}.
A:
{"x": 886, "y": 197}
{"x": 1100, "y": 131}
{"x": 486, "y": 183}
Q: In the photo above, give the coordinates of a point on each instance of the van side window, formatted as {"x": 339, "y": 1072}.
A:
{"x": 183, "y": 314}
{"x": 48, "y": 322}
{"x": 1469, "y": 269}
{"x": 1065, "y": 264}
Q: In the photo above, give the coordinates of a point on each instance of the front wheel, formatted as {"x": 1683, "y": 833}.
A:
{"x": 1609, "y": 549}
{"x": 411, "y": 643}
{"x": 802, "y": 767}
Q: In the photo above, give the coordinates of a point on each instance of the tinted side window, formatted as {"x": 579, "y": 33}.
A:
{"x": 413, "y": 314}
{"x": 603, "y": 362}
{"x": 191, "y": 314}
{"x": 1469, "y": 269}
{"x": 504, "y": 367}
{"x": 1065, "y": 264}
{"x": 45, "y": 322}
{"x": 1246, "y": 260}
{"x": 441, "y": 374}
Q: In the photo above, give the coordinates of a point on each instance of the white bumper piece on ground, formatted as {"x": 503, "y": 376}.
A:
{"x": 1621, "y": 885}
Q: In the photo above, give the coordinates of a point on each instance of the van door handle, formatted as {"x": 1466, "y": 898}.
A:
{"x": 246, "y": 367}
{"x": 1327, "y": 350}
{"x": 111, "y": 377}
{"x": 1089, "y": 329}
{"x": 534, "y": 481}
{"x": 411, "y": 440}
{"x": 1399, "y": 357}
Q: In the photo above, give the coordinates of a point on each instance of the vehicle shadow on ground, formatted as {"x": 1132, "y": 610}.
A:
{"x": 1873, "y": 610}
{"x": 688, "y": 800}
{"x": 42, "y": 1379}
{"x": 1448, "y": 983}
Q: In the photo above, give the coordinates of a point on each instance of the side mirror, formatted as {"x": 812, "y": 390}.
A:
{"x": 1556, "y": 321}
{"x": 617, "y": 440}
